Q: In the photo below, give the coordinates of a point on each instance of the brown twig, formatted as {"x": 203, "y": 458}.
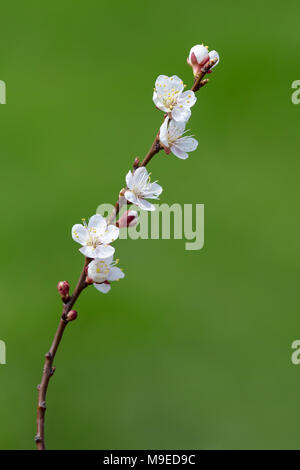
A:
{"x": 199, "y": 82}
{"x": 48, "y": 369}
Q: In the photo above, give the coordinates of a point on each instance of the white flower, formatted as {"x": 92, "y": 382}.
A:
{"x": 103, "y": 271}
{"x": 140, "y": 189}
{"x": 198, "y": 57}
{"x": 169, "y": 97}
{"x": 171, "y": 137}
{"x": 95, "y": 237}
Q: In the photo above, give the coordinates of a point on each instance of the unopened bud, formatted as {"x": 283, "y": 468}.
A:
{"x": 136, "y": 163}
{"x": 128, "y": 219}
{"x": 198, "y": 56}
{"x": 63, "y": 288}
{"x": 72, "y": 315}
{"x": 89, "y": 280}
{"x": 214, "y": 56}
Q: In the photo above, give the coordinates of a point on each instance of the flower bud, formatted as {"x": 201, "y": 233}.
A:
{"x": 136, "y": 163}
{"x": 89, "y": 280}
{"x": 198, "y": 56}
{"x": 63, "y": 288}
{"x": 128, "y": 219}
{"x": 72, "y": 315}
{"x": 213, "y": 55}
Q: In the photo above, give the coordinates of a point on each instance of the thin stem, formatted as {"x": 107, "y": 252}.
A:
{"x": 48, "y": 369}
{"x": 199, "y": 82}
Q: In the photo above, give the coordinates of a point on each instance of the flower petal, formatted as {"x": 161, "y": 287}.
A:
{"x": 200, "y": 52}
{"x": 187, "y": 99}
{"x": 129, "y": 178}
{"x": 110, "y": 235}
{"x": 156, "y": 189}
{"x": 80, "y": 234}
{"x": 163, "y": 133}
{"x": 131, "y": 197}
{"x": 88, "y": 251}
{"x": 158, "y": 103}
{"x": 101, "y": 251}
{"x": 115, "y": 274}
{"x": 140, "y": 176}
{"x": 176, "y": 129}
{"x": 145, "y": 205}
{"x": 214, "y": 55}
{"x": 181, "y": 114}
{"x": 104, "y": 252}
{"x": 179, "y": 153}
{"x": 187, "y": 144}
{"x": 104, "y": 287}
{"x": 98, "y": 223}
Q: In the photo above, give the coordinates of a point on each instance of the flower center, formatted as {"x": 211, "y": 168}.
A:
{"x": 101, "y": 272}
{"x": 93, "y": 239}
{"x": 169, "y": 99}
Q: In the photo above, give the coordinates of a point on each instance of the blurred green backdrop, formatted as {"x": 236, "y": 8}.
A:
{"x": 192, "y": 349}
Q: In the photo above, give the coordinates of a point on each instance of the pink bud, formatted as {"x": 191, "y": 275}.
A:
{"x": 72, "y": 315}
{"x": 89, "y": 280}
{"x": 128, "y": 219}
{"x": 63, "y": 288}
{"x": 136, "y": 163}
{"x": 198, "y": 56}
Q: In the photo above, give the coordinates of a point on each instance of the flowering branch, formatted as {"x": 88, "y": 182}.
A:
{"x": 96, "y": 237}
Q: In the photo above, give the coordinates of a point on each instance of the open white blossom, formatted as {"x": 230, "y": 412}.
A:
{"x": 140, "y": 189}
{"x": 170, "y": 136}
{"x": 169, "y": 97}
{"x": 95, "y": 237}
{"x": 102, "y": 272}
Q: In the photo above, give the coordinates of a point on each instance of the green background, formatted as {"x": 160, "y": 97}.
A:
{"x": 193, "y": 348}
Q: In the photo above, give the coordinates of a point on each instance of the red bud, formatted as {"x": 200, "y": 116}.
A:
{"x": 72, "y": 315}
{"x": 128, "y": 219}
{"x": 63, "y": 288}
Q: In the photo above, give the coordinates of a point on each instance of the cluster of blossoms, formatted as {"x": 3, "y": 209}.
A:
{"x": 96, "y": 236}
